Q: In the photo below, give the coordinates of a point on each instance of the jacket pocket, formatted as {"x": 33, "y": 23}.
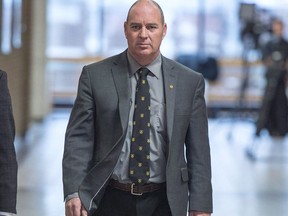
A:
{"x": 184, "y": 174}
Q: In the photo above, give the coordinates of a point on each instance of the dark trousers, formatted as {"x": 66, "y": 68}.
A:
{"x": 121, "y": 203}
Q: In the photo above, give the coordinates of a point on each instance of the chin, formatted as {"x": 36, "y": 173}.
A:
{"x": 144, "y": 52}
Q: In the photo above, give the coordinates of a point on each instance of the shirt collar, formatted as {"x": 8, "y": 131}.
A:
{"x": 154, "y": 67}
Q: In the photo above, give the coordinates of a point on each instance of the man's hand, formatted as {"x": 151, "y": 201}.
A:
{"x": 194, "y": 213}
{"x": 74, "y": 207}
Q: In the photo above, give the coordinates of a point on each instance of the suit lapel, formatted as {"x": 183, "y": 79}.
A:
{"x": 122, "y": 84}
{"x": 170, "y": 80}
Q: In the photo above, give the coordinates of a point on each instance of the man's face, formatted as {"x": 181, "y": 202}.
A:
{"x": 144, "y": 32}
{"x": 278, "y": 28}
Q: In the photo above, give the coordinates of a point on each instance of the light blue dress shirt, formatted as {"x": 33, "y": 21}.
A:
{"x": 158, "y": 134}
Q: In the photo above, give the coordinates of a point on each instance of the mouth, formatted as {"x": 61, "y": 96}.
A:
{"x": 143, "y": 45}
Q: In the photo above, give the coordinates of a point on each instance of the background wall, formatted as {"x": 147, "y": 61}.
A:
{"x": 25, "y": 66}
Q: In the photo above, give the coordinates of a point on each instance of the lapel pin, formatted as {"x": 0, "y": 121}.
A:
{"x": 171, "y": 86}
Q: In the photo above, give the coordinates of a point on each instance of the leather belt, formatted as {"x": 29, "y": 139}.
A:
{"x": 136, "y": 189}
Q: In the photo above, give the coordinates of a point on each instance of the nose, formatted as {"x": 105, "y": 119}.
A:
{"x": 143, "y": 32}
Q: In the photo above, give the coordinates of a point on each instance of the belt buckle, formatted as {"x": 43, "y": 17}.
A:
{"x": 133, "y": 192}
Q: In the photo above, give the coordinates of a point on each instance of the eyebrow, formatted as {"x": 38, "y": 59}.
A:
{"x": 136, "y": 23}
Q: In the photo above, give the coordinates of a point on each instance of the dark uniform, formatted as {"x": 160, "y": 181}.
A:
{"x": 274, "y": 110}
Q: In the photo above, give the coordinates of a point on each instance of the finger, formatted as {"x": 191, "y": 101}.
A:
{"x": 83, "y": 211}
{"x": 69, "y": 211}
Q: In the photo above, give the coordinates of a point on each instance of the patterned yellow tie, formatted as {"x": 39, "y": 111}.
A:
{"x": 139, "y": 172}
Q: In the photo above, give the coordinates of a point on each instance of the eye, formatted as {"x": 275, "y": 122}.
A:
{"x": 152, "y": 27}
{"x": 135, "y": 27}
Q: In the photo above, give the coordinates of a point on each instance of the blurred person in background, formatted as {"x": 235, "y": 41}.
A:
{"x": 273, "y": 114}
{"x": 98, "y": 177}
{"x": 8, "y": 162}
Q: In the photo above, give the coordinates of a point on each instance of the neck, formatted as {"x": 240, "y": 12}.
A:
{"x": 144, "y": 60}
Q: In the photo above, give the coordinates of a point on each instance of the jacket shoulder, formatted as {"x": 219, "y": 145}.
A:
{"x": 180, "y": 68}
{"x": 2, "y": 73}
{"x": 107, "y": 62}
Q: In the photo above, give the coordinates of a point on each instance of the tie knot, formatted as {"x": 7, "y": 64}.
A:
{"x": 143, "y": 72}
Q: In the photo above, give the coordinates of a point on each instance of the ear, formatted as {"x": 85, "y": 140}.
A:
{"x": 125, "y": 29}
{"x": 164, "y": 30}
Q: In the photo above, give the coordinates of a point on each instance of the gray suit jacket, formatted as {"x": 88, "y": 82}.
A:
{"x": 98, "y": 124}
{"x": 8, "y": 163}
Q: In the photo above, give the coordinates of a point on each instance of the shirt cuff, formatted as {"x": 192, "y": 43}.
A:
{"x": 6, "y": 214}
{"x": 70, "y": 196}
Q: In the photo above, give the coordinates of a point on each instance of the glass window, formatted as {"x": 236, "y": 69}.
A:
{"x": 86, "y": 30}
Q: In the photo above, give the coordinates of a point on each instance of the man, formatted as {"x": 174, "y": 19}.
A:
{"x": 8, "y": 163}
{"x": 97, "y": 171}
{"x": 273, "y": 114}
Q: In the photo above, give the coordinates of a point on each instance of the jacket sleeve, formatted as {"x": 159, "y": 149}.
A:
{"x": 198, "y": 154}
{"x": 8, "y": 162}
{"x": 79, "y": 137}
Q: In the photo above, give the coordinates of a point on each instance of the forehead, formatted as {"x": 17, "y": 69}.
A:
{"x": 148, "y": 13}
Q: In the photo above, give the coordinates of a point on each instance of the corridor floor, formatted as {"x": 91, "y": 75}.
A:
{"x": 242, "y": 186}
